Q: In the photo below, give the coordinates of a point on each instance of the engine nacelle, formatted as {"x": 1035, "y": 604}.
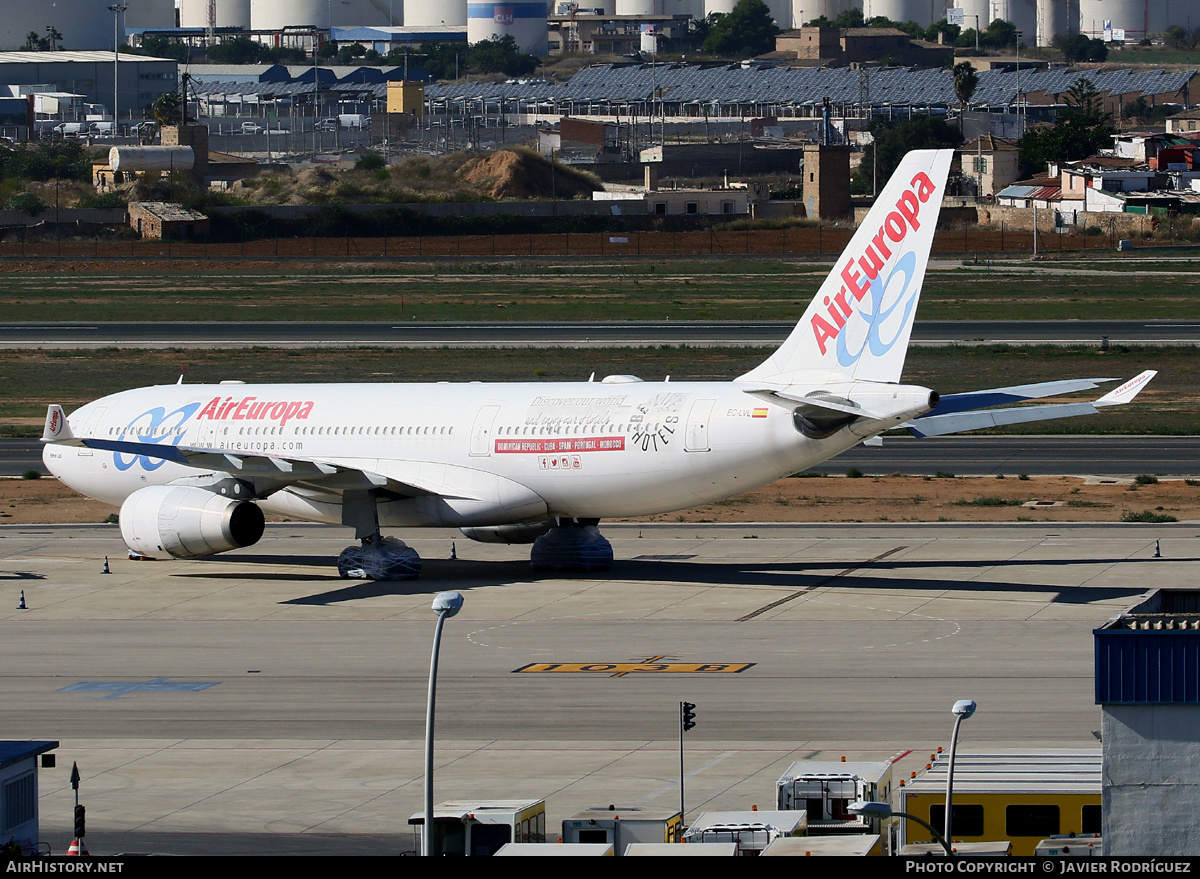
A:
{"x": 518, "y": 532}
{"x": 187, "y": 522}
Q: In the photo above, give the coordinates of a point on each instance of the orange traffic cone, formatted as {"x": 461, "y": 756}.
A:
{"x": 77, "y": 848}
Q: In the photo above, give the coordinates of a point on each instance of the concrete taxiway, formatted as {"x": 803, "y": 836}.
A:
{"x": 256, "y": 702}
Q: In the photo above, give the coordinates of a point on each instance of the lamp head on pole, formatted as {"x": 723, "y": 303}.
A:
{"x": 963, "y": 708}
{"x": 447, "y": 604}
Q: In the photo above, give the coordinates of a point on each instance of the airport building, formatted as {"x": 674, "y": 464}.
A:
{"x": 1148, "y": 689}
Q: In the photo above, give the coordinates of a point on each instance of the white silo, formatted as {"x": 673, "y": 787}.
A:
{"x": 1056, "y": 18}
{"x": 524, "y": 22}
{"x": 781, "y": 11}
{"x": 1131, "y": 16}
{"x": 151, "y": 13}
{"x": 975, "y": 12}
{"x": 1022, "y": 13}
{"x": 920, "y": 11}
{"x": 435, "y": 13}
{"x": 84, "y": 24}
{"x": 270, "y": 15}
{"x": 806, "y": 10}
{"x": 230, "y": 13}
{"x": 1185, "y": 13}
{"x": 367, "y": 13}
{"x": 275, "y": 15}
{"x": 724, "y": 7}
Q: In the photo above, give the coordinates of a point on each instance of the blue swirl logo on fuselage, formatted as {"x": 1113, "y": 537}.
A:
{"x": 878, "y": 313}
{"x": 155, "y": 426}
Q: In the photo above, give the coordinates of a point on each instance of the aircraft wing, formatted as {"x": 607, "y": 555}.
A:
{"x": 957, "y": 413}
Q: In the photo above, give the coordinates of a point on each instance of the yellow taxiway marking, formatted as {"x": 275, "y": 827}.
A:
{"x": 653, "y": 665}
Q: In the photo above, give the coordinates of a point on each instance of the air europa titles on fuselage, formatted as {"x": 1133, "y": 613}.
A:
{"x": 878, "y": 253}
{"x": 253, "y": 409}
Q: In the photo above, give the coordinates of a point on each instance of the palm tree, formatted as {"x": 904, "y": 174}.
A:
{"x": 966, "y": 80}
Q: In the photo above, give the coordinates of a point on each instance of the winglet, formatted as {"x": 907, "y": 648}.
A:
{"x": 57, "y": 428}
{"x": 1126, "y": 392}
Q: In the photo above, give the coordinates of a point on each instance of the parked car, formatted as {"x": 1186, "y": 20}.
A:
{"x": 251, "y": 128}
{"x": 326, "y": 125}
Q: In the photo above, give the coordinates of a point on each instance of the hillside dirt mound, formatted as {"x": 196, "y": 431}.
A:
{"x": 509, "y": 174}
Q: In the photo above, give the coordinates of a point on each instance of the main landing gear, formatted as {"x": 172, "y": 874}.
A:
{"x": 572, "y": 545}
{"x": 380, "y": 558}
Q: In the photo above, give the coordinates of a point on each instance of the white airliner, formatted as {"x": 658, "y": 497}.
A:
{"x": 194, "y": 467}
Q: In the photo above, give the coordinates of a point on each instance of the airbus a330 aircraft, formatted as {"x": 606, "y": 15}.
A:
{"x": 194, "y": 467}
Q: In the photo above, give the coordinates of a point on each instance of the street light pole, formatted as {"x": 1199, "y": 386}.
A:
{"x": 116, "y": 9}
{"x": 445, "y": 604}
{"x": 962, "y": 709}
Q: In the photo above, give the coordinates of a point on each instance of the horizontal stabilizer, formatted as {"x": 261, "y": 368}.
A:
{"x": 957, "y": 413}
{"x": 940, "y": 425}
{"x": 1015, "y": 394}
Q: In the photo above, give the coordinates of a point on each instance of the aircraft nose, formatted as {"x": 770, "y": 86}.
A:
{"x": 52, "y": 459}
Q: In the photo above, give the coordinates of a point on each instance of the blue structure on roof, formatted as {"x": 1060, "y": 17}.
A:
{"x": 1151, "y": 655}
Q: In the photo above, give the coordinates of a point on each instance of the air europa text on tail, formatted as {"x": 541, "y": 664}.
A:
{"x": 894, "y": 228}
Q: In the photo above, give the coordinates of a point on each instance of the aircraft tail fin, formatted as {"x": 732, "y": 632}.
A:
{"x": 858, "y": 325}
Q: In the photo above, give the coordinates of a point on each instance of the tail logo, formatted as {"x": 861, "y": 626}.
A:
{"x": 846, "y": 305}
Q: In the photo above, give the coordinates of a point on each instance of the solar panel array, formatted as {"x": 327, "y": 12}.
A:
{"x": 736, "y": 84}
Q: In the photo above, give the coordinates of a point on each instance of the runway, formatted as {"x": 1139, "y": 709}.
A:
{"x": 218, "y": 334}
{"x": 256, "y": 695}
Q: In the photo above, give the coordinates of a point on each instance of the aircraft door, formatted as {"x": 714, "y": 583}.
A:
{"x": 481, "y": 431}
{"x": 696, "y": 437}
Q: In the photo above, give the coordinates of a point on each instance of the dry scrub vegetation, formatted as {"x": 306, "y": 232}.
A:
{"x": 514, "y": 173}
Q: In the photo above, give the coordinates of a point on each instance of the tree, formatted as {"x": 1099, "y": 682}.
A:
{"x": 893, "y": 141}
{"x": 1081, "y": 129}
{"x": 850, "y": 18}
{"x": 747, "y": 31}
{"x": 949, "y": 31}
{"x": 239, "y": 50}
{"x": 966, "y": 80}
{"x": 1079, "y": 48}
{"x": 167, "y": 108}
{"x": 159, "y": 47}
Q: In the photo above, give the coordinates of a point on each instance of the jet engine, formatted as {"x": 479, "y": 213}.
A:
{"x": 187, "y": 522}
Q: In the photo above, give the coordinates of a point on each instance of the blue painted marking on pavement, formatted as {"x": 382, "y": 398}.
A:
{"x": 117, "y": 689}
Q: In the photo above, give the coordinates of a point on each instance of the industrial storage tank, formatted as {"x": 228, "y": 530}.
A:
{"x": 1022, "y": 13}
{"x": 1185, "y": 13}
{"x": 524, "y": 22}
{"x": 1131, "y": 16}
{"x": 230, "y": 13}
{"x": 435, "y": 13}
{"x": 84, "y": 24}
{"x": 275, "y": 15}
{"x": 781, "y": 11}
{"x": 920, "y": 11}
{"x": 152, "y": 13}
{"x": 1056, "y": 18}
{"x": 151, "y": 158}
{"x": 804, "y": 11}
{"x": 975, "y": 12}
{"x": 645, "y": 7}
{"x": 270, "y": 15}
